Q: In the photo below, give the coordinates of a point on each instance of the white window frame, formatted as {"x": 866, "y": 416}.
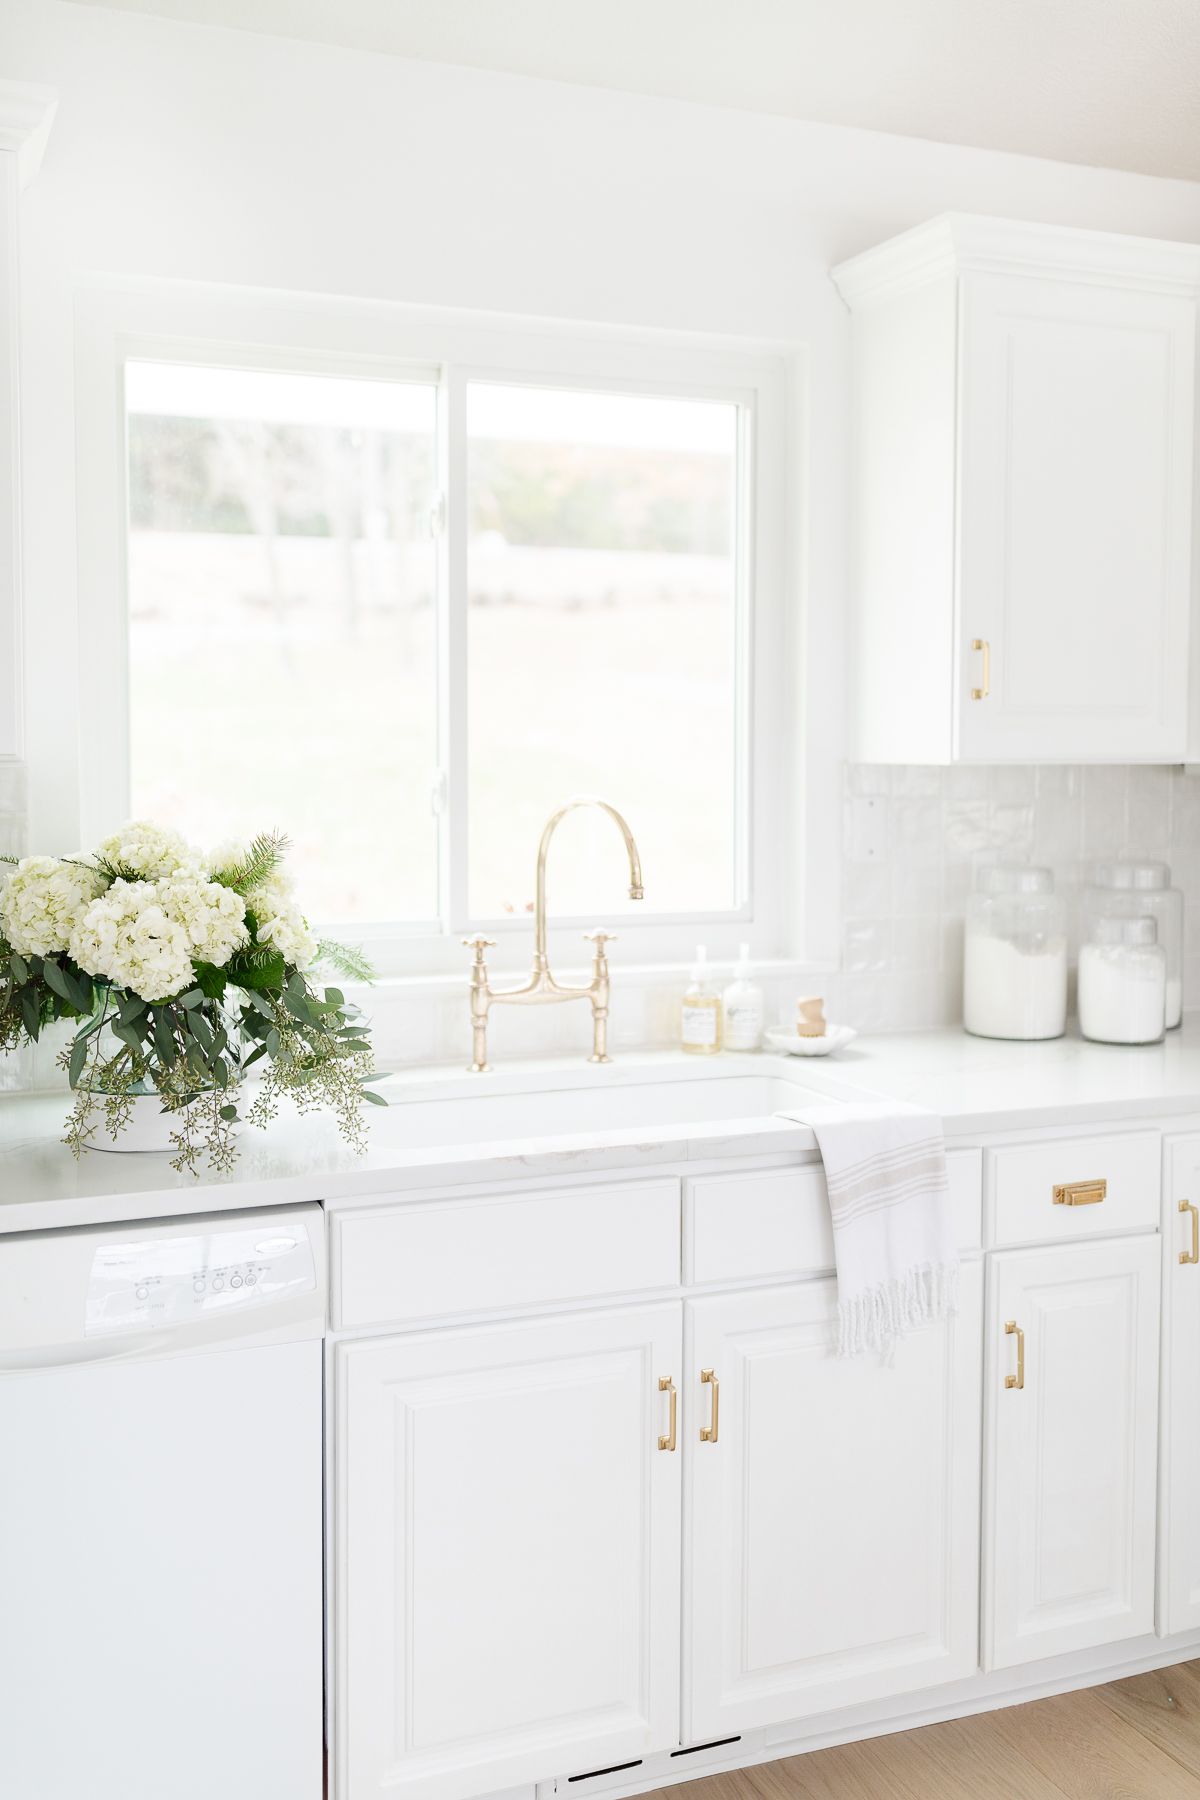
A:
{"x": 118, "y": 322}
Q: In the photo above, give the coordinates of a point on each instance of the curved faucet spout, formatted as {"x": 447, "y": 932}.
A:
{"x": 635, "y": 865}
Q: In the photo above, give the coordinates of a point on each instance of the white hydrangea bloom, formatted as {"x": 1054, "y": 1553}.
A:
{"x": 227, "y": 855}
{"x": 280, "y": 921}
{"x": 42, "y": 902}
{"x": 149, "y": 851}
{"x": 129, "y": 937}
{"x": 213, "y": 916}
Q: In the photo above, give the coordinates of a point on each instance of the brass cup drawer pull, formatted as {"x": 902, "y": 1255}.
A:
{"x": 1012, "y": 1329}
{"x": 1192, "y": 1255}
{"x": 667, "y": 1386}
{"x": 708, "y": 1433}
{"x": 1080, "y": 1193}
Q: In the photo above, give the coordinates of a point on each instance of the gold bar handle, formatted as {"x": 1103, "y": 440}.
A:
{"x": 1080, "y": 1193}
{"x": 708, "y": 1433}
{"x": 1012, "y": 1329}
{"x": 1192, "y": 1255}
{"x": 982, "y": 692}
{"x": 667, "y": 1386}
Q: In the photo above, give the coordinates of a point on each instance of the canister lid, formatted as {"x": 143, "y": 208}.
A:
{"x": 1014, "y": 878}
{"x": 1121, "y": 873}
{"x": 1109, "y": 930}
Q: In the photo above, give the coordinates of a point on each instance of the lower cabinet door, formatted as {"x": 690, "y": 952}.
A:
{"x": 507, "y": 1506}
{"x": 832, "y": 1537}
{"x": 1072, "y": 1409}
{"x": 1179, "y": 1465}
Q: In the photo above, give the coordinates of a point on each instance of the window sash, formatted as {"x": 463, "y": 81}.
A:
{"x": 151, "y": 326}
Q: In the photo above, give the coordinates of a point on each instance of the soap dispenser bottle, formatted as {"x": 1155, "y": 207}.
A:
{"x": 700, "y": 1023}
{"x": 743, "y": 1007}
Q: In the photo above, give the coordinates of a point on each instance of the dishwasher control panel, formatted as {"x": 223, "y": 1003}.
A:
{"x": 143, "y": 1284}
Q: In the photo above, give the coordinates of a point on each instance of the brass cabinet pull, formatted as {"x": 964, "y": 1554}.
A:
{"x": 1192, "y": 1255}
{"x": 1012, "y": 1329}
{"x": 985, "y": 687}
{"x": 667, "y": 1386}
{"x": 1080, "y": 1193}
{"x": 708, "y": 1433}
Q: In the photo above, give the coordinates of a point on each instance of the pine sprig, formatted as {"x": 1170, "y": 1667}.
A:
{"x": 344, "y": 959}
{"x": 260, "y": 862}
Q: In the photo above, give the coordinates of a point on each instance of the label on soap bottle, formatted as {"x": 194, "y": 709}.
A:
{"x": 699, "y": 1024}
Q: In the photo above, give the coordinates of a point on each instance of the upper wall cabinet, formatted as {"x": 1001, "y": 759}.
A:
{"x": 1024, "y": 414}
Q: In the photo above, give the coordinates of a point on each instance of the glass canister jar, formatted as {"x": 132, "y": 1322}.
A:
{"x": 1015, "y": 955}
{"x": 1122, "y": 981}
{"x": 1127, "y": 888}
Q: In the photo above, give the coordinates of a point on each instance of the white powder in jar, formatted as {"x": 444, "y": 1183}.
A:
{"x": 1014, "y": 988}
{"x": 1122, "y": 993}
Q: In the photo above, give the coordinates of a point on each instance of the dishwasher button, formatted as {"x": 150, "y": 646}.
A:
{"x": 236, "y": 1282}
{"x": 197, "y": 1287}
{"x": 141, "y": 1293}
{"x": 218, "y": 1284}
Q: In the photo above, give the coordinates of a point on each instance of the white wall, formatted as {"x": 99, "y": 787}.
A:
{"x": 185, "y": 152}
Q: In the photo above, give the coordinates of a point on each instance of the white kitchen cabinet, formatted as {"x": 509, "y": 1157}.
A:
{"x": 1179, "y": 1451}
{"x": 831, "y": 1551}
{"x": 1024, "y": 414}
{"x": 508, "y": 1529}
{"x": 1070, "y": 1467}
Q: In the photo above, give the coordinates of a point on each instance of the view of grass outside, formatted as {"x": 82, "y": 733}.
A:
{"x": 601, "y": 641}
{"x": 282, "y": 636}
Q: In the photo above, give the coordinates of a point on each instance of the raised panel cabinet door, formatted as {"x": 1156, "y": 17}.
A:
{"x": 832, "y": 1537}
{"x": 1076, "y": 413}
{"x": 1179, "y": 1448}
{"x": 507, "y": 1518}
{"x": 1071, "y": 1460}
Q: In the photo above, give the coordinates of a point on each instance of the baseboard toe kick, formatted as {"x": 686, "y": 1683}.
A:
{"x": 929, "y": 1706}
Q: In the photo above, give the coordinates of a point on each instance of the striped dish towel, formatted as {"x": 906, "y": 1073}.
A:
{"x": 893, "y": 1239}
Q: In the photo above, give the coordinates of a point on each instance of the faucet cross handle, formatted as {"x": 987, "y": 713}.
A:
{"x": 479, "y": 945}
{"x": 600, "y": 938}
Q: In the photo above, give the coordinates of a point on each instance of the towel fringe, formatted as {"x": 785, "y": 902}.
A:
{"x": 877, "y": 1317}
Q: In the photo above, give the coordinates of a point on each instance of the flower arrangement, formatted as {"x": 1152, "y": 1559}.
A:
{"x": 183, "y": 971}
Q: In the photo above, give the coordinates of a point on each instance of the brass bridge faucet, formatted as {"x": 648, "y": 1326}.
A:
{"x": 541, "y": 989}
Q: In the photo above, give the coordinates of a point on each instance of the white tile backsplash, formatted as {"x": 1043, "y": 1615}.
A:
{"x": 902, "y": 927}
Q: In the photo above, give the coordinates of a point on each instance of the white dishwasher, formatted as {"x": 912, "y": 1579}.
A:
{"x": 161, "y": 1510}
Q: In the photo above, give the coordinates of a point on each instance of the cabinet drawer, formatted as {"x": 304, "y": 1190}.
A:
{"x": 1076, "y": 1187}
{"x": 776, "y": 1221}
{"x": 433, "y": 1259}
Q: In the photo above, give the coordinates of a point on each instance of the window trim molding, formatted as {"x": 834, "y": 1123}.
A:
{"x": 116, "y": 320}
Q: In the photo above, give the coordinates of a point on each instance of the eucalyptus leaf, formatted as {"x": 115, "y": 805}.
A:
{"x": 164, "y": 1040}
{"x": 79, "y": 1050}
{"x": 19, "y": 967}
{"x": 31, "y": 1013}
{"x": 56, "y": 981}
{"x": 229, "y": 1113}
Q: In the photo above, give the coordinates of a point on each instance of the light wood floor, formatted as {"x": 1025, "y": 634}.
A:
{"x": 1133, "y": 1740}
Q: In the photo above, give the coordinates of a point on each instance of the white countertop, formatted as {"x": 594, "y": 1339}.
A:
{"x": 983, "y": 1085}
{"x": 977, "y": 1086}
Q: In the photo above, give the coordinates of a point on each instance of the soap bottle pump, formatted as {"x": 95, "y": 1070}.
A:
{"x": 744, "y": 1008}
{"x": 700, "y": 1020}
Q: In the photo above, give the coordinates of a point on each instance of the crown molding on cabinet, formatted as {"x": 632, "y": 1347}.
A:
{"x": 958, "y": 243}
{"x": 26, "y": 115}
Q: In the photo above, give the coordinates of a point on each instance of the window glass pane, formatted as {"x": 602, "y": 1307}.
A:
{"x": 282, "y": 623}
{"x": 602, "y": 644}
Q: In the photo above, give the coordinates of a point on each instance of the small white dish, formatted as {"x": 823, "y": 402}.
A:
{"x": 792, "y": 1044}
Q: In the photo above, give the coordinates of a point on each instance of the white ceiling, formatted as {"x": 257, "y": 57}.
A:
{"x": 1110, "y": 82}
